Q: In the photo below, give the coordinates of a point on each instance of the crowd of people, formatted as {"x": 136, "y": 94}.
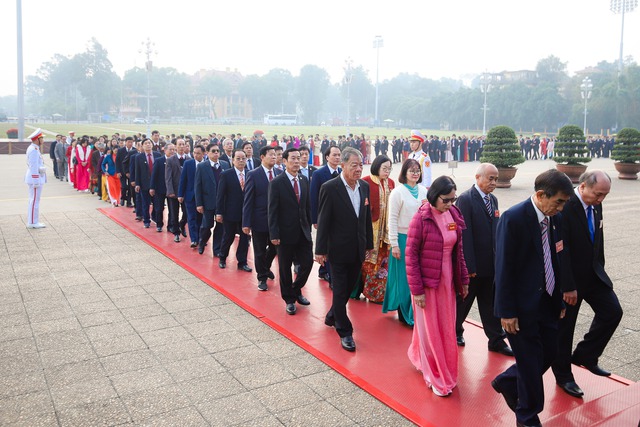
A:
{"x": 412, "y": 246}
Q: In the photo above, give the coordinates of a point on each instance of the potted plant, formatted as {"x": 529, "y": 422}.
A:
{"x": 501, "y": 149}
{"x": 626, "y": 152}
{"x": 12, "y": 133}
{"x": 571, "y": 152}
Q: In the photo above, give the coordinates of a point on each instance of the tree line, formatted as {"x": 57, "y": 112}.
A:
{"x": 74, "y": 86}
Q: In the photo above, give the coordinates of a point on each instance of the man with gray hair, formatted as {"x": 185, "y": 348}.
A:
{"x": 584, "y": 278}
{"x": 60, "y": 152}
{"x": 481, "y": 214}
{"x": 345, "y": 232}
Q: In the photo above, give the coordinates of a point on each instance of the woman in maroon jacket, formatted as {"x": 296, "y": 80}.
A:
{"x": 436, "y": 271}
{"x": 376, "y": 262}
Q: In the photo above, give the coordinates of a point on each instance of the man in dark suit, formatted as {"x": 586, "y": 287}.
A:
{"x": 187, "y": 195}
{"x": 329, "y": 171}
{"x": 227, "y": 150}
{"x": 481, "y": 214}
{"x": 305, "y": 168}
{"x": 123, "y": 158}
{"x": 344, "y": 234}
{"x": 143, "y": 164}
{"x": 229, "y": 199}
{"x": 289, "y": 219}
{"x": 528, "y": 292}
{"x": 205, "y": 188}
{"x": 255, "y": 214}
{"x": 584, "y": 278}
{"x": 158, "y": 188}
{"x": 252, "y": 162}
{"x": 173, "y": 170}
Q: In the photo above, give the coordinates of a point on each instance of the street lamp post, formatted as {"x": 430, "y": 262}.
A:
{"x": 348, "y": 77}
{"x": 20, "y": 71}
{"x": 148, "y": 51}
{"x": 621, "y": 7}
{"x": 585, "y": 90}
{"x": 377, "y": 44}
{"x": 485, "y": 85}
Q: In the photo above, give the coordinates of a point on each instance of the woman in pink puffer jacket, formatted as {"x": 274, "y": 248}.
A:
{"x": 436, "y": 272}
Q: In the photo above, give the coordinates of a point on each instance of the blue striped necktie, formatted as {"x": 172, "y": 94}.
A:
{"x": 592, "y": 231}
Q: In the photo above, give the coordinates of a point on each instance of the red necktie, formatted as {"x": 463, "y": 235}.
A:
{"x": 150, "y": 163}
{"x": 270, "y": 176}
{"x": 242, "y": 181}
{"x": 296, "y": 189}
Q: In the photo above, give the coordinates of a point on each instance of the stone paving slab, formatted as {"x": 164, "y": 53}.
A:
{"x": 97, "y": 328}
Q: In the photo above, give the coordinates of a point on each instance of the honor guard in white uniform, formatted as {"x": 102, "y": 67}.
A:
{"x": 35, "y": 178}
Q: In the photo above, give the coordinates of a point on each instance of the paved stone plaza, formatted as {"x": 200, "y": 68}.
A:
{"x": 97, "y": 328}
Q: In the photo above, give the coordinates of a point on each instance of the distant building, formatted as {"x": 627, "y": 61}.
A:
{"x": 232, "y": 107}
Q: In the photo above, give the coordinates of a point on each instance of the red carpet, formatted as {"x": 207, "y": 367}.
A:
{"x": 380, "y": 365}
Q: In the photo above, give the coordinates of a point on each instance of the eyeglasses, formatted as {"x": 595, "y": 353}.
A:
{"x": 386, "y": 168}
{"x": 447, "y": 201}
{"x": 215, "y": 151}
{"x": 414, "y": 171}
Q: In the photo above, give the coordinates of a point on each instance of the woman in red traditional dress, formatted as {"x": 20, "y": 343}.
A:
{"x": 83, "y": 165}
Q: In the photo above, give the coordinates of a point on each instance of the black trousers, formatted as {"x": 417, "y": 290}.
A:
{"x": 535, "y": 347}
{"x": 208, "y": 222}
{"x": 172, "y": 218}
{"x": 263, "y": 253}
{"x": 607, "y": 317}
{"x": 126, "y": 190}
{"x": 158, "y": 208}
{"x": 482, "y": 289}
{"x": 344, "y": 277}
{"x": 231, "y": 228}
{"x": 303, "y": 250}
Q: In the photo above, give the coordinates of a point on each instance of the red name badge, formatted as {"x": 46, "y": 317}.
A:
{"x": 497, "y": 214}
{"x": 452, "y": 226}
{"x": 559, "y": 246}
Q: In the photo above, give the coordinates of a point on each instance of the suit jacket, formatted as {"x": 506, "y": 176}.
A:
{"x": 186, "y": 187}
{"x": 478, "y": 239}
{"x": 206, "y": 185}
{"x": 224, "y": 157}
{"x": 520, "y": 275}
{"x": 158, "y": 182}
{"x": 311, "y": 169}
{"x": 230, "y": 196}
{"x": 172, "y": 174}
{"x": 583, "y": 261}
{"x": 289, "y": 220}
{"x": 122, "y": 167}
{"x": 142, "y": 175}
{"x": 256, "y": 200}
{"x": 320, "y": 176}
{"x": 341, "y": 234}
{"x": 256, "y": 164}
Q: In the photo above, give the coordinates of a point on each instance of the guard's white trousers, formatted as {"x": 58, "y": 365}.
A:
{"x": 33, "y": 214}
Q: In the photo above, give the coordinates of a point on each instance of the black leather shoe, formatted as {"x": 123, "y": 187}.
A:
{"x": 302, "y": 300}
{"x": 245, "y": 268}
{"x": 348, "y": 343}
{"x": 201, "y": 248}
{"x": 330, "y": 321}
{"x": 511, "y": 400}
{"x": 194, "y": 245}
{"x": 291, "y": 308}
{"x": 147, "y": 225}
{"x": 506, "y": 350}
{"x": 222, "y": 264}
{"x": 271, "y": 275}
{"x": 594, "y": 369}
{"x": 159, "y": 229}
{"x": 176, "y": 238}
{"x": 184, "y": 233}
{"x": 460, "y": 340}
{"x": 138, "y": 218}
{"x": 324, "y": 277}
{"x": 519, "y": 424}
{"x": 262, "y": 286}
{"x": 572, "y": 389}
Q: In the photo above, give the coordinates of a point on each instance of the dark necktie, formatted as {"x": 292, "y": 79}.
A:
{"x": 550, "y": 279}
{"x": 296, "y": 189}
{"x": 487, "y": 203}
{"x": 592, "y": 231}
{"x": 181, "y": 160}
{"x": 334, "y": 174}
{"x": 250, "y": 163}
{"x": 150, "y": 162}
{"x": 270, "y": 176}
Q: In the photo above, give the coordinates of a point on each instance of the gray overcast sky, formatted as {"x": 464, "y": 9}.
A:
{"x": 452, "y": 38}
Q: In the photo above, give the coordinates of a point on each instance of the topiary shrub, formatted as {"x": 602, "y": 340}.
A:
{"x": 571, "y": 147}
{"x": 627, "y": 146}
{"x": 501, "y": 148}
